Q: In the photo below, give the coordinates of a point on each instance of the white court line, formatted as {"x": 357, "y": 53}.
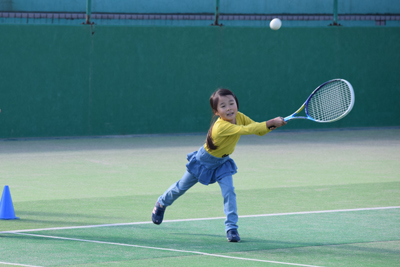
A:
{"x": 198, "y": 219}
{"x": 17, "y": 264}
{"x": 167, "y": 249}
{"x": 20, "y": 232}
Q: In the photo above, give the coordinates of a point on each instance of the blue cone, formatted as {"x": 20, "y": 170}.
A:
{"x": 6, "y": 205}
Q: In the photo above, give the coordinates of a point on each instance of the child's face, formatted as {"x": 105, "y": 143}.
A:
{"x": 227, "y": 108}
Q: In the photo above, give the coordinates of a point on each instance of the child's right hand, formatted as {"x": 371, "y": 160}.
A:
{"x": 275, "y": 123}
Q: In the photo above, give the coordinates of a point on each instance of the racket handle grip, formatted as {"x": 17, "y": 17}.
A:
{"x": 272, "y": 127}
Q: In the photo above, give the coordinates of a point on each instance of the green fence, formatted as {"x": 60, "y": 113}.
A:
{"x": 112, "y": 80}
{"x": 206, "y": 6}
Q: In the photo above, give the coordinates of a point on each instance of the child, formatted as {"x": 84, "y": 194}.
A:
{"x": 212, "y": 162}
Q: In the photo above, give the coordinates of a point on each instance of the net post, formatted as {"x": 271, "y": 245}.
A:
{"x": 216, "y": 14}
{"x": 335, "y": 14}
{"x": 335, "y": 7}
{"x": 88, "y": 11}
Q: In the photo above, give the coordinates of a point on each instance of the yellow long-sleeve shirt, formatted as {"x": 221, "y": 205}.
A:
{"x": 225, "y": 135}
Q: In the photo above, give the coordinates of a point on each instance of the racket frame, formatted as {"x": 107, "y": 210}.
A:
{"x": 308, "y": 117}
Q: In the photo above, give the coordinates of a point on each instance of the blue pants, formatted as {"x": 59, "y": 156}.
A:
{"x": 227, "y": 190}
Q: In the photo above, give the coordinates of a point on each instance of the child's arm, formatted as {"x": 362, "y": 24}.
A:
{"x": 225, "y": 128}
{"x": 275, "y": 123}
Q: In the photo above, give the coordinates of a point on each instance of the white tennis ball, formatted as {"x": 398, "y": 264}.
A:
{"x": 275, "y": 24}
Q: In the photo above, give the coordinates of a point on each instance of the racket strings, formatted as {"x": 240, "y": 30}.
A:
{"x": 330, "y": 102}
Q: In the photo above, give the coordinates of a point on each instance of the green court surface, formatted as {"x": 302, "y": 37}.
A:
{"x": 307, "y": 198}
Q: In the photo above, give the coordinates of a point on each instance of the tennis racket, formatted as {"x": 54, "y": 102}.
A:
{"x": 330, "y": 102}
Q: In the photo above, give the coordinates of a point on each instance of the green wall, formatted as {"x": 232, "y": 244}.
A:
{"x": 66, "y": 81}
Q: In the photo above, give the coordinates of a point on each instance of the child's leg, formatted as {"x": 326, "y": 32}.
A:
{"x": 230, "y": 208}
{"x": 177, "y": 189}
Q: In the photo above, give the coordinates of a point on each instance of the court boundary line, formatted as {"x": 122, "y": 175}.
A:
{"x": 17, "y": 264}
{"x": 197, "y": 219}
{"x": 165, "y": 249}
